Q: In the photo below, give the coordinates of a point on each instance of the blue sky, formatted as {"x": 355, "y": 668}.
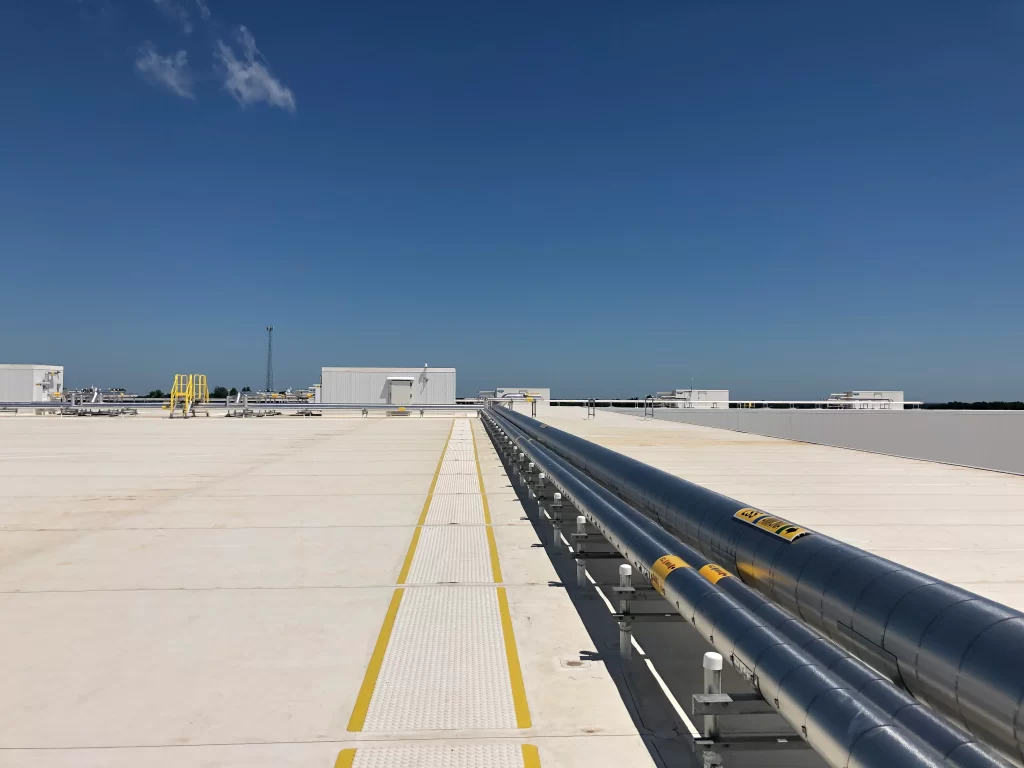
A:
{"x": 785, "y": 198}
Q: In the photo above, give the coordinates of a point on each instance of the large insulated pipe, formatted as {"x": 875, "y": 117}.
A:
{"x": 833, "y": 719}
{"x": 956, "y": 747}
{"x": 959, "y": 652}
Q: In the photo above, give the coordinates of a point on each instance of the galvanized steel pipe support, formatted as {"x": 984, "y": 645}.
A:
{"x": 835, "y": 720}
{"x": 957, "y": 651}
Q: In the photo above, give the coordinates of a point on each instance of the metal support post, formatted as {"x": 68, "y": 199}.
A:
{"x": 712, "y": 684}
{"x": 625, "y": 587}
{"x": 578, "y": 539}
{"x": 625, "y": 623}
{"x": 530, "y": 479}
{"x": 625, "y": 639}
{"x": 556, "y": 520}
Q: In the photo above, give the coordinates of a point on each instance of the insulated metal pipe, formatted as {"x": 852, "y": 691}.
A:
{"x": 954, "y": 745}
{"x": 953, "y": 649}
{"x": 833, "y": 718}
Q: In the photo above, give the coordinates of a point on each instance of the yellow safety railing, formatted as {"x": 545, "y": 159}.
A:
{"x": 188, "y": 389}
{"x": 201, "y": 392}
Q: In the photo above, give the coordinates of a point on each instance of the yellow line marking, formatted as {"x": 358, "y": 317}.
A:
{"x": 531, "y": 757}
{"x": 492, "y": 545}
{"x": 355, "y": 723}
{"x": 362, "y": 706}
{"x": 495, "y": 564}
{"x": 404, "y": 573}
{"x": 515, "y": 673}
{"x": 437, "y": 474}
{"x": 480, "y": 478}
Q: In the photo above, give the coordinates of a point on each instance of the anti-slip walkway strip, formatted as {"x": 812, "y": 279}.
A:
{"x": 446, "y": 656}
{"x": 452, "y": 554}
{"x": 441, "y": 756}
{"x": 362, "y": 704}
{"x": 446, "y": 666}
{"x": 423, "y": 513}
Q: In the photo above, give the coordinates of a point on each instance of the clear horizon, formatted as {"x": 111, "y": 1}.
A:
{"x": 779, "y": 199}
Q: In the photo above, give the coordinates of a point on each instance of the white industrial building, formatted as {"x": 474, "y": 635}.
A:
{"x": 28, "y": 383}
{"x": 696, "y": 398}
{"x": 394, "y": 386}
{"x": 537, "y": 393}
{"x": 868, "y": 399}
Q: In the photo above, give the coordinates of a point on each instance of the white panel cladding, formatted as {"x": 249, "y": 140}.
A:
{"x": 24, "y": 383}
{"x": 431, "y": 386}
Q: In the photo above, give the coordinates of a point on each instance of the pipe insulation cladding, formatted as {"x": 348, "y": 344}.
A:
{"x": 952, "y": 649}
{"x": 610, "y": 514}
{"x": 834, "y": 720}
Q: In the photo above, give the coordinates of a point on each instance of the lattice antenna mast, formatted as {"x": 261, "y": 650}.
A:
{"x": 270, "y": 358}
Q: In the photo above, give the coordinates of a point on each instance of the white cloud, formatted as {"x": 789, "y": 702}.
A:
{"x": 204, "y": 9}
{"x": 174, "y": 10}
{"x": 248, "y": 78}
{"x": 170, "y": 71}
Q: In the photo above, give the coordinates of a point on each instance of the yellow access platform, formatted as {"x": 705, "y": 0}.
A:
{"x": 187, "y": 390}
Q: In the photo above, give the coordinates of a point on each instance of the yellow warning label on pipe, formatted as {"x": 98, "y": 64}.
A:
{"x": 749, "y": 514}
{"x": 774, "y": 525}
{"x": 713, "y": 573}
{"x": 781, "y": 527}
{"x": 662, "y": 567}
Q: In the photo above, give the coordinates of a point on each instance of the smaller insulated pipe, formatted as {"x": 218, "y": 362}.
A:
{"x": 834, "y": 719}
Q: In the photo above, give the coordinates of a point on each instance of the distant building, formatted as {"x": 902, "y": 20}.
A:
{"x": 394, "y": 386}
{"x": 522, "y": 393}
{"x": 28, "y": 383}
{"x": 696, "y": 398}
{"x": 868, "y": 399}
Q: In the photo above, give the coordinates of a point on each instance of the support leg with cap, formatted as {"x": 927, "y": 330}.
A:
{"x": 578, "y": 538}
{"x": 712, "y": 684}
{"x": 624, "y": 589}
